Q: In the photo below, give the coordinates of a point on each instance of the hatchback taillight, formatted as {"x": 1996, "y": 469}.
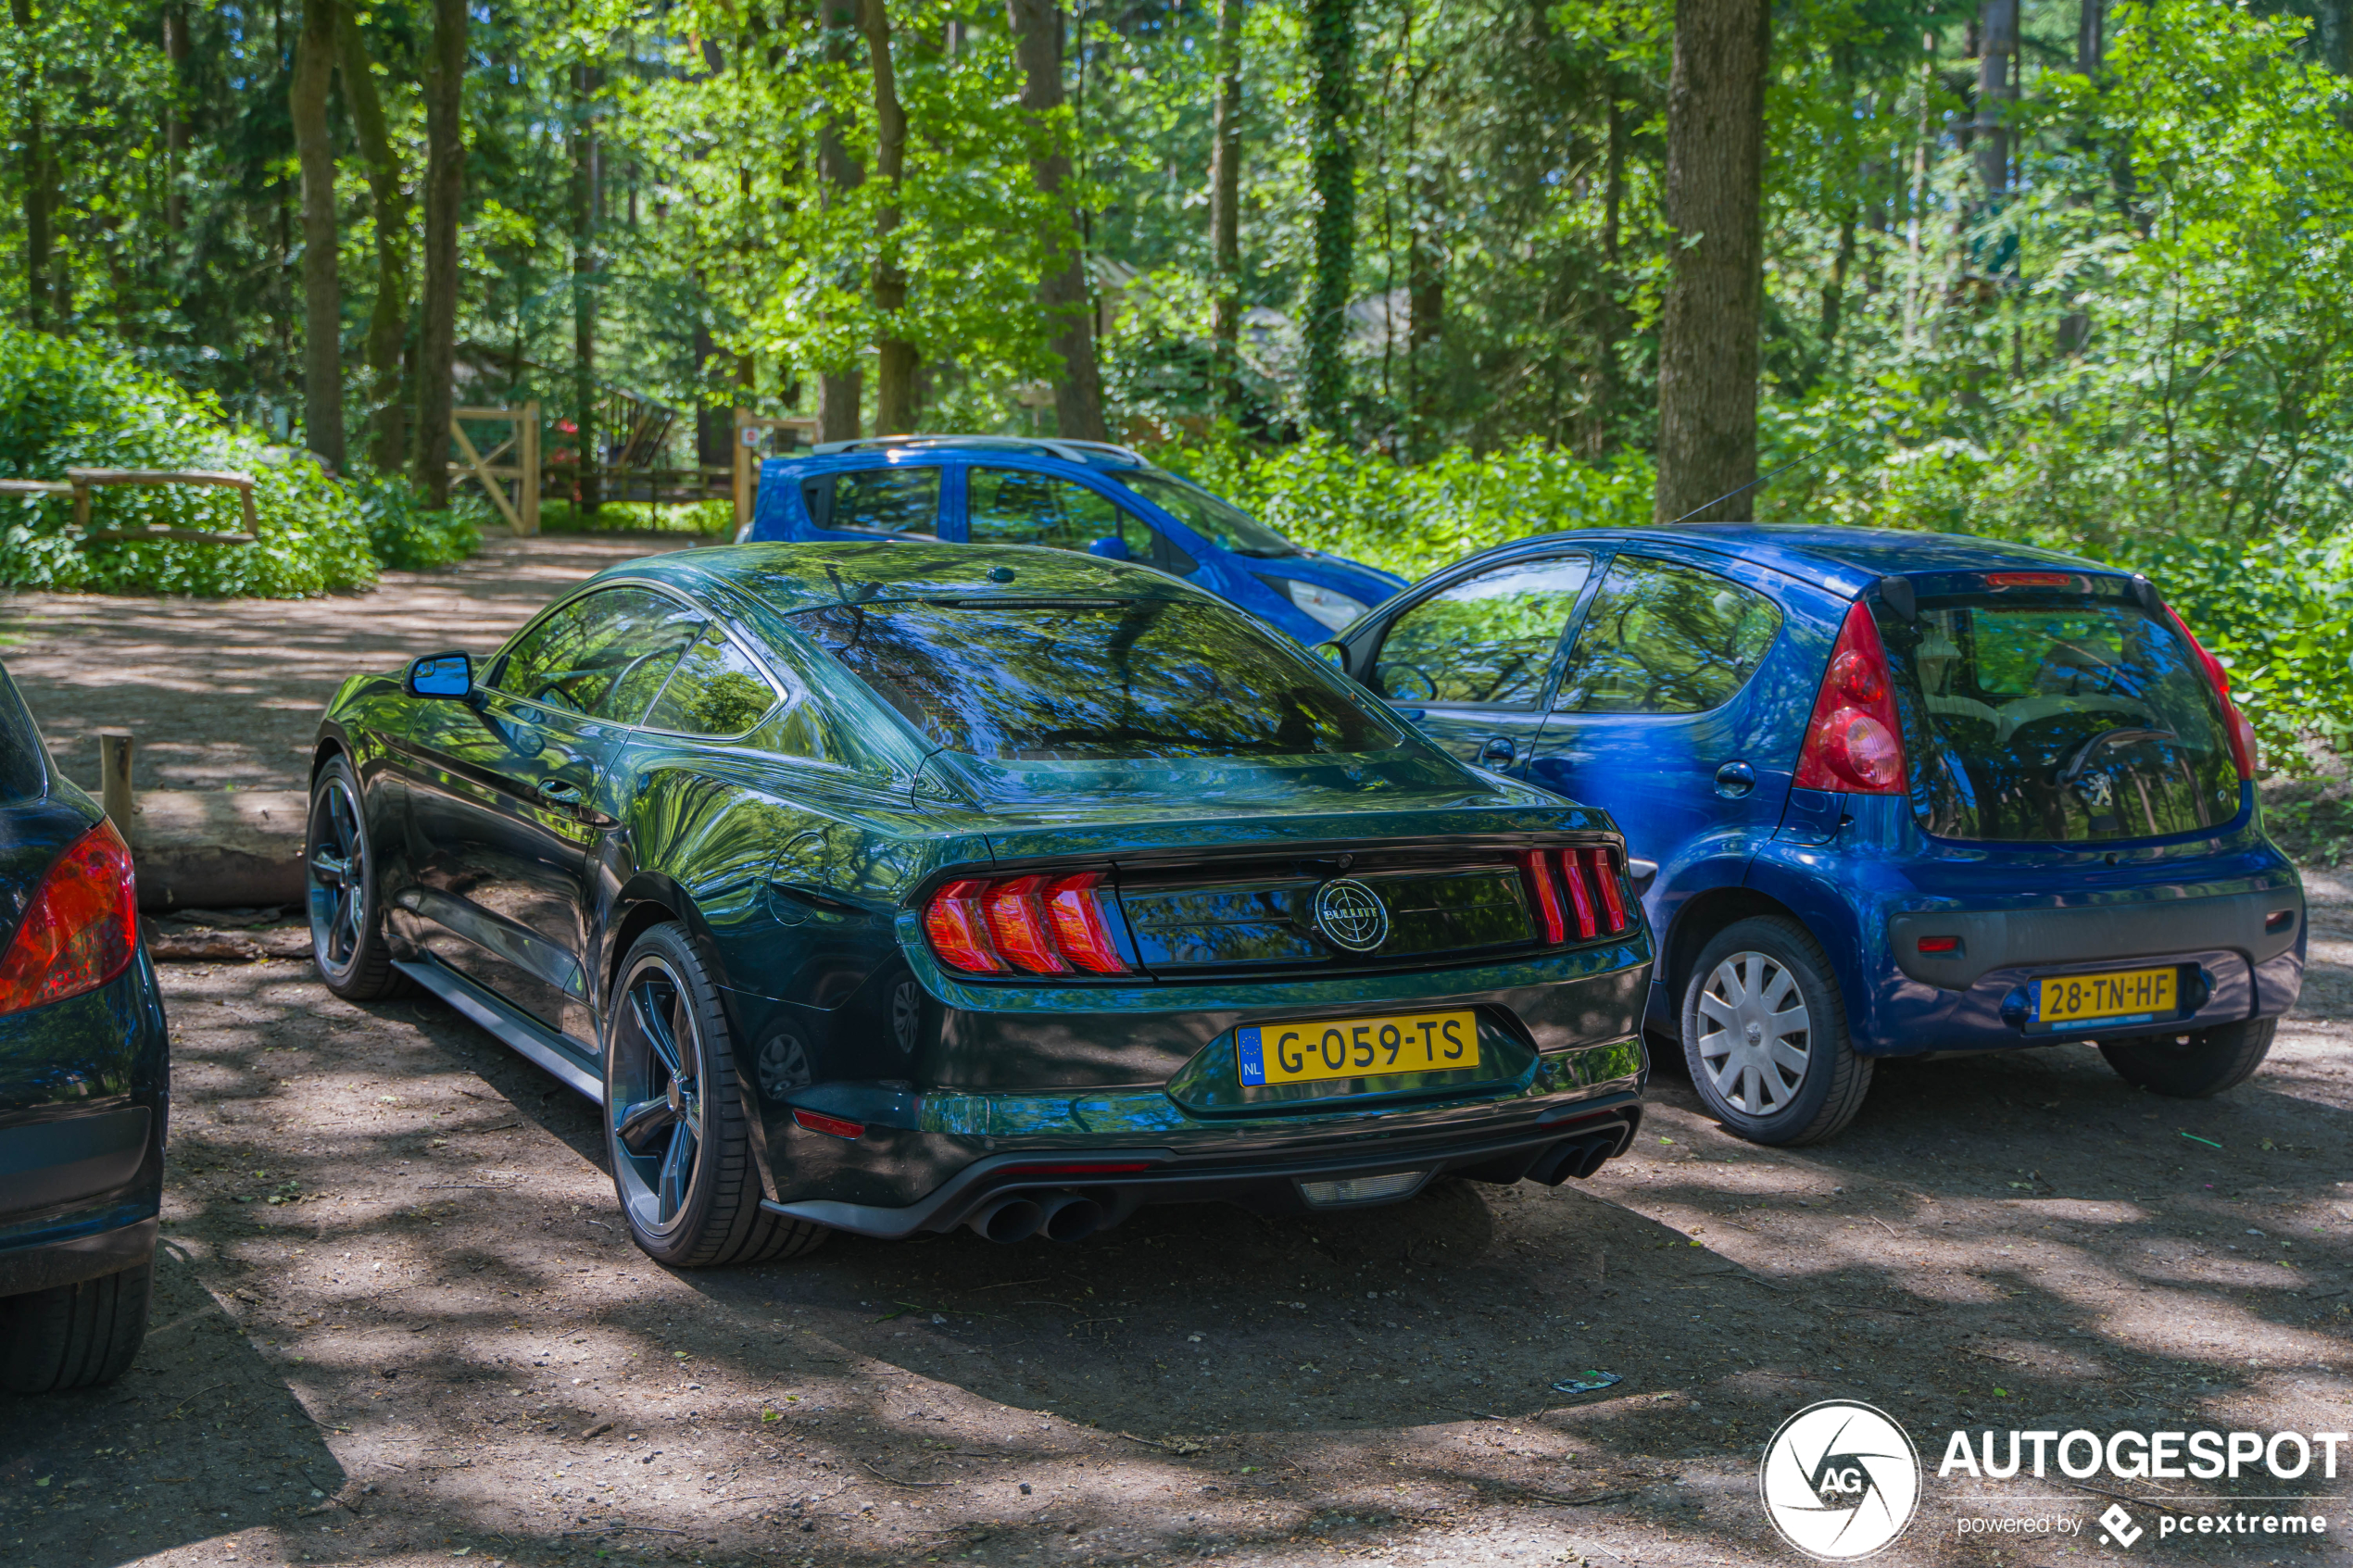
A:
{"x": 1854, "y": 745}
{"x": 1575, "y": 893}
{"x": 1033, "y": 924}
{"x": 2234, "y": 723}
{"x": 80, "y": 926}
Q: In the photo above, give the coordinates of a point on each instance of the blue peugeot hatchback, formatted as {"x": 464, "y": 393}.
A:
{"x": 1067, "y": 494}
{"x": 1899, "y": 793}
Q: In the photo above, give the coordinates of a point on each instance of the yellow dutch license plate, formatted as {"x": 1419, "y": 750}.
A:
{"x": 1318, "y": 1050}
{"x": 2124, "y": 995}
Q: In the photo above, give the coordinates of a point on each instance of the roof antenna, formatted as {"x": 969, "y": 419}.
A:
{"x": 1752, "y": 484}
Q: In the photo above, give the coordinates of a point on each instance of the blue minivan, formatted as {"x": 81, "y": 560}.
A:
{"x": 1894, "y": 793}
{"x": 1067, "y": 494}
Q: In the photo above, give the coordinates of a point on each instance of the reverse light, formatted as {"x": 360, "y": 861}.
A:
{"x": 2234, "y": 723}
{"x": 1033, "y": 924}
{"x": 1852, "y": 742}
{"x": 80, "y": 927}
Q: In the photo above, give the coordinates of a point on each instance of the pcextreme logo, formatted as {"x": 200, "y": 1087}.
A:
{"x": 1840, "y": 1480}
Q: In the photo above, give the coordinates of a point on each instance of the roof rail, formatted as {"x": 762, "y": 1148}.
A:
{"x": 1069, "y": 451}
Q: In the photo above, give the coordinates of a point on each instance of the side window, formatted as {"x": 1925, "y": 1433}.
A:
{"x": 1663, "y": 638}
{"x": 886, "y": 500}
{"x": 1488, "y": 640}
{"x": 717, "y": 690}
{"x": 1017, "y": 507}
{"x": 604, "y": 655}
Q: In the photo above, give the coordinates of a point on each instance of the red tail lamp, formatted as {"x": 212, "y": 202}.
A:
{"x": 1853, "y": 743}
{"x": 81, "y": 928}
{"x": 2234, "y": 723}
{"x": 1593, "y": 904}
{"x": 1033, "y": 925}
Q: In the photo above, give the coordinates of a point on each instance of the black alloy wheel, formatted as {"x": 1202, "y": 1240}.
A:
{"x": 683, "y": 1158}
{"x": 339, "y": 872}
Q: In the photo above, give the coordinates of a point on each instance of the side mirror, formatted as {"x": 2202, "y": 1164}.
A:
{"x": 1111, "y": 548}
{"x": 441, "y": 674}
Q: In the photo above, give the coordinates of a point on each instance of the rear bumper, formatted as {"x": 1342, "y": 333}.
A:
{"x": 83, "y": 1095}
{"x": 1500, "y": 1147}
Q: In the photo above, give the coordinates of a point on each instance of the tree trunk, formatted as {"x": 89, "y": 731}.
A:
{"x": 587, "y": 198}
{"x": 1063, "y": 294}
{"x": 1225, "y": 207}
{"x": 838, "y": 392}
{"x": 1604, "y": 386}
{"x": 444, "y": 62}
{"x": 1707, "y": 345}
{"x": 40, "y": 182}
{"x": 314, "y": 71}
{"x": 175, "y": 123}
{"x": 1996, "y": 92}
{"x": 1331, "y": 57}
{"x": 2090, "y": 37}
{"x": 894, "y": 355}
{"x": 388, "y": 315}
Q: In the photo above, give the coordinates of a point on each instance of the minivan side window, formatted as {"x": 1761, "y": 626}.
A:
{"x": 896, "y": 500}
{"x": 1023, "y": 507}
{"x": 1486, "y": 640}
{"x": 1663, "y": 638}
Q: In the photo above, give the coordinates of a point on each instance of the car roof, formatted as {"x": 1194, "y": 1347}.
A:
{"x": 1086, "y": 454}
{"x": 790, "y": 577}
{"x": 1844, "y": 560}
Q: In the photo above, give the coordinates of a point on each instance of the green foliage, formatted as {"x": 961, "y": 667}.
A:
{"x": 1413, "y": 520}
{"x": 405, "y": 533}
{"x": 69, "y": 405}
{"x": 710, "y": 519}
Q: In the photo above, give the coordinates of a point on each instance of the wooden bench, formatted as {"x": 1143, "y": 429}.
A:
{"x": 78, "y": 484}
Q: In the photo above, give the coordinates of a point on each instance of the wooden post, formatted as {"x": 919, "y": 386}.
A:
{"x": 114, "y": 779}
{"x": 527, "y": 459}
{"x": 743, "y": 468}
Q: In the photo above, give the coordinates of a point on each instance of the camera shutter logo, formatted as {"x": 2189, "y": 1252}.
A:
{"x": 1351, "y": 915}
{"x": 1840, "y": 1480}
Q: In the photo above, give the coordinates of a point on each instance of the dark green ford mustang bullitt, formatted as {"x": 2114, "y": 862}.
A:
{"x": 889, "y": 888}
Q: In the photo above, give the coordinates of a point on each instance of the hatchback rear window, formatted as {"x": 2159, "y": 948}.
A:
{"x": 2056, "y": 718}
{"x": 1094, "y": 679}
{"x": 24, "y": 774}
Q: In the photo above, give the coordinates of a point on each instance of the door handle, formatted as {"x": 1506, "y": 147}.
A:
{"x": 1499, "y": 752}
{"x": 1734, "y": 780}
{"x": 563, "y": 792}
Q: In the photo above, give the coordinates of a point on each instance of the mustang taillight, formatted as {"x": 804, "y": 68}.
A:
{"x": 1594, "y": 904}
{"x": 1033, "y": 924}
{"x": 80, "y": 926}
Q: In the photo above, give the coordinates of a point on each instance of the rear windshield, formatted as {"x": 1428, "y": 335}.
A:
{"x": 1113, "y": 680}
{"x": 24, "y": 775}
{"x": 2056, "y": 718}
{"x": 1221, "y": 523}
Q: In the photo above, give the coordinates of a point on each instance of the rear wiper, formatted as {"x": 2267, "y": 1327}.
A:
{"x": 2126, "y": 734}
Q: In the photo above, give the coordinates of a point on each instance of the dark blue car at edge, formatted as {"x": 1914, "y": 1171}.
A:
{"x": 1904, "y": 793}
{"x": 84, "y": 1081}
{"x": 1081, "y": 496}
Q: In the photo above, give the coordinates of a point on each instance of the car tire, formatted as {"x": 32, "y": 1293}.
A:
{"x": 2193, "y": 1066}
{"x": 74, "y": 1336}
{"x": 684, "y": 1163}
{"x": 1765, "y": 1034}
{"x": 340, "y": 873}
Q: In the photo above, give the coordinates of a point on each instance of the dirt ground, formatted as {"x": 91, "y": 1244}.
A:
{"x": 226, "y": 694}
{"x": 2011, "y": 1242}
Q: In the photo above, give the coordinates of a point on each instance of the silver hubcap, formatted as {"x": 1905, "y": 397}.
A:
{"x": 337, "y": 877}
{"x": 656, "y": 1100}
{"x": 1754, "y": 1039}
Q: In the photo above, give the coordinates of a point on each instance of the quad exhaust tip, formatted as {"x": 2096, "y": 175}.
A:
{"x": 1060, "y": 1216}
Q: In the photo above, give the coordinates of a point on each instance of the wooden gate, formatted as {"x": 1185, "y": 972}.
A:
{"x": 522, "y": 439}
{"x": 750, "y": 431}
